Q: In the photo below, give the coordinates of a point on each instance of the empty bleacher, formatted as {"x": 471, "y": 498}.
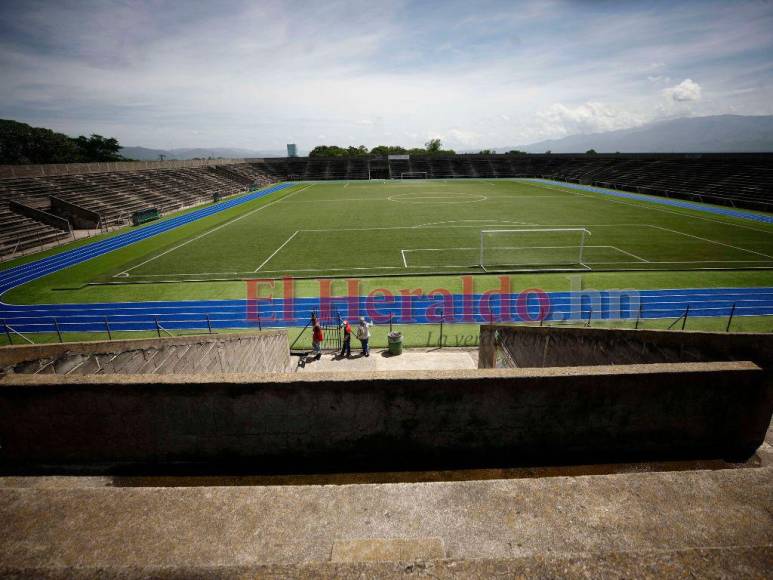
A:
{"x": 20, "y": 233}
{"x": 115, "y": 195}
{"x": 738, "y": 180}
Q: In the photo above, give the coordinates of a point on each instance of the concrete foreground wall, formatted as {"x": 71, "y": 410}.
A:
{"x": 261, "y": 352}
{"x": 390, "y": 419}
{"x": 536, "y": 347}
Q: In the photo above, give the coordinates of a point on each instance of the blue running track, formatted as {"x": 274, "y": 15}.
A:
{"x": 199, "y": 314}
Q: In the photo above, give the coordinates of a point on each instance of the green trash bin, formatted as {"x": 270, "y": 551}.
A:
{"x": 395, "y": 340}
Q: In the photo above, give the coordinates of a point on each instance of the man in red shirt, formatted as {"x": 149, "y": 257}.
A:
{"x": 316, "y": 339}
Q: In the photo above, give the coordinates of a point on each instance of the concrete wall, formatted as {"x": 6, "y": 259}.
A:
{"x": 261, "y": 352}
{"x": 39, "y": 215}
{"x": 385, "y": 420}
{"x": 79, "y": 217}
{"x": 533, "y": 346}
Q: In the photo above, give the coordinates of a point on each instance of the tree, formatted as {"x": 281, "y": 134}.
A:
{"x": 487, "y": 152}
{"x": 433, "y": 146}
{"x": 21, "y": 144}
{"x": 591, "y": 152}
{"x": 98, "y": 148}
{"x": 388, "y": 150}
{"x": 327, "y": 151}
{"x": 516, "y": 152}
{"x": 352, "y": 151}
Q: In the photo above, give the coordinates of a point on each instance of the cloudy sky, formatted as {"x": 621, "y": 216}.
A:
{"x": 259, "y": 74}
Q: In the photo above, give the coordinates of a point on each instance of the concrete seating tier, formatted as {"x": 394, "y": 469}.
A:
{"x": 116, "y": 195}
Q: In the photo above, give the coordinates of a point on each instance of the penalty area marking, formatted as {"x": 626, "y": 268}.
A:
{"x": 615, "y": 248}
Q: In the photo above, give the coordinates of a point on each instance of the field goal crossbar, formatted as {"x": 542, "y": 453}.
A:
{"x": 583, "y": 232}
{"x": 410, "y": 174}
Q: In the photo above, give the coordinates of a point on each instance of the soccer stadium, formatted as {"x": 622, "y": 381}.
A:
{"x": 426, "y": 358}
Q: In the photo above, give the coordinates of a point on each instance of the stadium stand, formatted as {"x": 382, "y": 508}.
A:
{"x": 114, "y": 196}
{"x": 737, "y": 180}
{"x": 20, "y": 233}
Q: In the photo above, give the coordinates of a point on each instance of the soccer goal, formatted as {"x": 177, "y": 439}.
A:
{"x": 533, "y": 248}
{"x": 413, "y": 175}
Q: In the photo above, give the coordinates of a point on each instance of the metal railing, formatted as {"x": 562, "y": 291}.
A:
{"x": 20, "y": 327}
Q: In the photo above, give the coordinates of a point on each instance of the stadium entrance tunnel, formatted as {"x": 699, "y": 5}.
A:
{"x": 571, "y": 396}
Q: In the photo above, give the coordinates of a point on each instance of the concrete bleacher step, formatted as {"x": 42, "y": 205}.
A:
{"x": 628, "y": 524}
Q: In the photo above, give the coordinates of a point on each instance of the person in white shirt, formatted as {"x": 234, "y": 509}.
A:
{"x": 363, "y": 335}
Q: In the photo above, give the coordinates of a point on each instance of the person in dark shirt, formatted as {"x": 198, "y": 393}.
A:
{"x": 346, "y": 350}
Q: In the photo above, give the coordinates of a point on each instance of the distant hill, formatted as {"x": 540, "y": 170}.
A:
{"x": 146, "y": 154}
{"x": 717, "y": 134}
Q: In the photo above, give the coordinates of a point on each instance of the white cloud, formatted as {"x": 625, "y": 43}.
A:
{"x": 257, "y": 75}
{"x": 560, "y": 120}
{"x": 686, "y": 91}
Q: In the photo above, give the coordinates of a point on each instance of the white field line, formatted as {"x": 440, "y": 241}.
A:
{"x": 500, "y": 248}
{"x": 494, "y": 222}
{"x": 516, "y": 197}
{"x": 624, "y": 252}
{"x": 456, "y": 266}
{"x": 405, "y": 263}
{"x": 647, "y": 205}
{"x": 287, "y": 241}
{"x": 125, "y": 273}
{"x": 713, "y": 241}
{"x": 346, "y": 184}
{"x": 339, "y": 200}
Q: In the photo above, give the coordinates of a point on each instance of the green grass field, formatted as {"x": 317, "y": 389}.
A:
{"x": 415, "y": 227}
{"x": 404, "y": 229}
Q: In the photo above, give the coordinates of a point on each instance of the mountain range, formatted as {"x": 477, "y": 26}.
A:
{"x": 146, "y": 154}
{"x": 712, "y": 134}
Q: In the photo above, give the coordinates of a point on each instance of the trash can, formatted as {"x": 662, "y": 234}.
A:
{"x": 395, "y": 340}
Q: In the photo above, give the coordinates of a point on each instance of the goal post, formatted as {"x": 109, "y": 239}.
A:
{"x": 413, "y": 175}
{"x": 533, "y": 247}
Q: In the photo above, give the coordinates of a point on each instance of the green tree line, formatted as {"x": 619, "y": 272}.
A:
{"x": 22, "y": 144}
{"x": 431, "y": 147}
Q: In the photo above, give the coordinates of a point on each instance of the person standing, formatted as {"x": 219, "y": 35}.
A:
{"x": 363, "y": 335}
{"x": 316, "y": 338}
{"x": 346, "y": 350}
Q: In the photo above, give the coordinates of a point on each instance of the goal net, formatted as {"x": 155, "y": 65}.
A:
{"x": 413, "y": 175}
{"x": 534, "y": 248}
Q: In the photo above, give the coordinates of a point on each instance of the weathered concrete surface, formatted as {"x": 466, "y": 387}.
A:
{"x": 259, "y": 352}
{"x": 398, "y": 420}
{"x": 388, "y": 550}
{"x": 652, "y": 524}
{"x": 698, "y": 563}
{"x": 537, "y": 346}
{"x": 380, "y": 360}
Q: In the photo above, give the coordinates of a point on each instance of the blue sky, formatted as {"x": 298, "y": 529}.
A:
{"x": 476, "y": 74}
